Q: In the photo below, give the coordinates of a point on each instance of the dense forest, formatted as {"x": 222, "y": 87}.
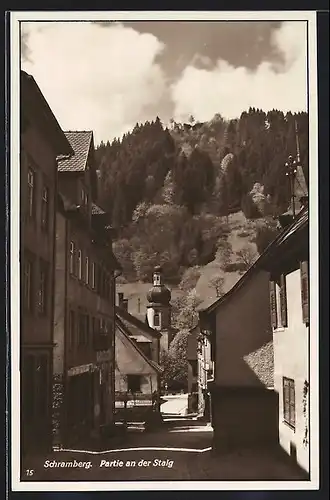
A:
{"x": 168, "y": 190}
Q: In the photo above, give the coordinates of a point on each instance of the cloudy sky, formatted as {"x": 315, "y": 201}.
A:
{"x": 108, "y": 76}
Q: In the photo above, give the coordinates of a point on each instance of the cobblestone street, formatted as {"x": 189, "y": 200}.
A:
{"x": 180, "y": 450}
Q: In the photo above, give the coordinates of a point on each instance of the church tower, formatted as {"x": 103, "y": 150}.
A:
{"x": 159, "y": 308}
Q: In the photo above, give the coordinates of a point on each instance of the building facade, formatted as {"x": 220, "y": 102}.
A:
{"x": 137, "y": 367}
{"x": 243, "y": 402}
{"x": 200, "y": 373}
{"x": 288, "y": 264}
{"x": 42, "y": 141}
{"x": 84, "y": 320}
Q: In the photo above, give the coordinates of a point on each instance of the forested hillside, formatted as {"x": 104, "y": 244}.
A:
{"x": 169, "y": 190}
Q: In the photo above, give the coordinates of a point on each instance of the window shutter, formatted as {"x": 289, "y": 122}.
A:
{"x": 304, "y": 291}
{"x": 283, "y": 302}
{"x": 292, "y": 408}
{"x": 286, "y": 400}
{"x": 273, "y": 309}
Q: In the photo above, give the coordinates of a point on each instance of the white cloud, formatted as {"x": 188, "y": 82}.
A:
{"x": 230, "y": 90}
{"x": 93, "y": 77}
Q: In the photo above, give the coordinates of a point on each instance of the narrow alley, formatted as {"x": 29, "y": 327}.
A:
{"x": 180, "y": 450}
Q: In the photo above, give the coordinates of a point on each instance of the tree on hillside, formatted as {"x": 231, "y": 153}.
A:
{"x": 175, "y": 362}
{"x": 217, "y": 282}
{"x": 265, "y": 234}
{"x": 184, "y": 310}
{"x": 190, "y": 278}
{"x": 249, "y": 207}
{"x": 224, "y": 252}
{"x": 247, "y": 255}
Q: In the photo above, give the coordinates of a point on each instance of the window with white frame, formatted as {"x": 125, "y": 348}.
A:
{"x": 27, "y": 283}
{"x": 93, "y": 275}
{"x": 42, "y": 290}
{"x": 72, "y": 258}
{"x": 45, "y": 208}
{"x": 289, "y": 402}
{"x": 79, "y": 264}
{"x": 31, "y": 193}
{"x": 87, "y": 270}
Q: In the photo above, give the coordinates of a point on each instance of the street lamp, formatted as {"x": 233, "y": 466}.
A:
{"x": 291, "y": 170}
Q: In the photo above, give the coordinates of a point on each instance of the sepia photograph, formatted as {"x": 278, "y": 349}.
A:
{"x": 164, "y": 269}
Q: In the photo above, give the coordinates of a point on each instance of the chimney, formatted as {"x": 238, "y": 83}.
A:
{"x": 120, "y": 299}
{"x": 125, "y": 304}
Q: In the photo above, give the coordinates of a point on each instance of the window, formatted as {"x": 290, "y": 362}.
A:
{"x": 145, "y": 347}
{"x": 79, "y": 261}
{"x": 99, "y": 279}
{"x": 283, "y": 302}
{"x": 31, "y": 193}
{"x": 72, "y": 329}
{"x": 157, "y": 319}
{"x": 193, "y": 364}
{"x": 93, "y": 274}
{"x": 304, "y": 291}
{"x": 273, "y": 307}
{"x": 27, "y": 284}
{"x": 87, "y": 329}
{"x": 84, "y": 197}
{"x": 134, "y": 383}
{"x": 42, "y": 288}
{"x": 45, "y": 208}
{"x": 82, "y": 328}
{"x": 289, "y": 403}
{"x": 87, "y": 270}
{"x": 93, "y": 328}
{"x": 71, "y": 258}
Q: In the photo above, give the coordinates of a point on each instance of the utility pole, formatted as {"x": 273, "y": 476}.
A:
{"x": 291, "y": 170}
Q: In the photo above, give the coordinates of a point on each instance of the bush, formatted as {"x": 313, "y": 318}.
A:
{"x": 249, "y": 208}
{"x": 233, "y": 267}
{"x": 244, "y": 234}
{"x": 190, "y": 278}
{"x": 264, "y": 236}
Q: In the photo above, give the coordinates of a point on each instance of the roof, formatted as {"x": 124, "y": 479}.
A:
{"x": 126, "y": 332}
{"x": 135, "y": 325}
{"x": 141, "y": 339}
{"x": 96, "y": 210}
{"x": 81, "y": 142}
{"x": 287, "y": 233}
{"x": 32, "y": 99}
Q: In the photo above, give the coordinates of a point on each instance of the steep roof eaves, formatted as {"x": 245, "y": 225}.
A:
{"x": 80, "y": 142}
{"x": 126, "y": 332}
{"x": 135, "y": 324}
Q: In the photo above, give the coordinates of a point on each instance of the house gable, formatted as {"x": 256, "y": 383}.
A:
{"x": 129, "y": 359}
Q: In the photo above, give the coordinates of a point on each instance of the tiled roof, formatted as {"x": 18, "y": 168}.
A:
{"x": 136, "y": 326}
{"x": 96, "y": 210}
{"x": 80, "y": 142}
